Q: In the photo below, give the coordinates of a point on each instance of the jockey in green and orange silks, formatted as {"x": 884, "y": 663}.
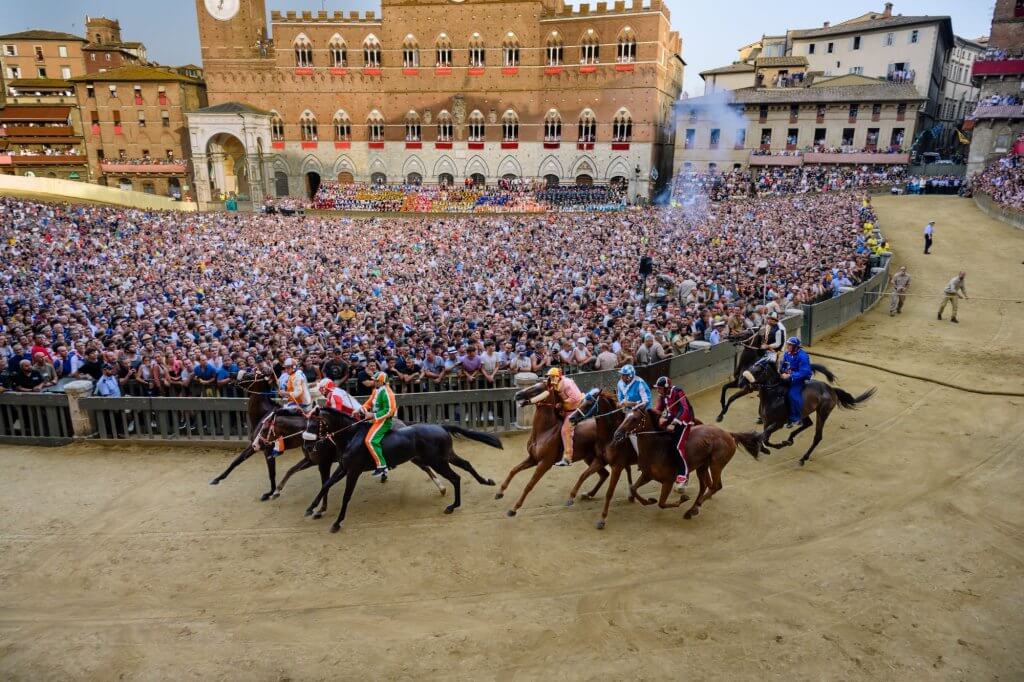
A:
{"x": 382, "y": 407}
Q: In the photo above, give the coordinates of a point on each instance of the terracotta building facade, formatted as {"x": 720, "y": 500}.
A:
{"x": 436, "y": 91}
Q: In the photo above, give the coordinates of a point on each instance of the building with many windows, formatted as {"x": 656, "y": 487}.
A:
{"x": 959, "y": 93}
{"x": 435, "y": 91}
{"x": 841, "y": 120}
{"x": 42, "y": 54}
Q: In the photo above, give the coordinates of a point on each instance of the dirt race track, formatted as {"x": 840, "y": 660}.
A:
{"x": 897, "y": 553}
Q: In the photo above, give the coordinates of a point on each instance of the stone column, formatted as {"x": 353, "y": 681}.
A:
{"x": 201, "y": 180}
{"x": 81, "y": 423}
{"x": 524, "y": 415}
{"x": 257, "y": 182}
{"x": 219, "y": 178}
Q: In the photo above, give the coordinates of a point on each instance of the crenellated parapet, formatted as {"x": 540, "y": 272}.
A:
{"x": 324, "y": 17}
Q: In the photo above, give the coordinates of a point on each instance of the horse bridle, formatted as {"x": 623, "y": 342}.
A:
{"x": 592, "y": 409}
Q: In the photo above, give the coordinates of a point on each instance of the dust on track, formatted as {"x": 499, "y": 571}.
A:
{"x": 896, "y": 553}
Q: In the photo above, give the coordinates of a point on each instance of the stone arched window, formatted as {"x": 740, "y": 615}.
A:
{"x": 412, "y": 127}
{"x": 477, "y": 53}
{"x": 590, "y": 47}
{"x": 622, "y": 127}
{"x": 552, "y": 126}
{"x": 477, "y": 127}
{"x": 625, "y": 49}
{"x": 445, "y": 127}
{"x": 303, "y": 51}
{"x": 342, "y": 126}
{"x": 276, "y": 127}
{"x": 308, "y": 127}
{"x": 375, "y": 126}
{"x": 587, "y": 126}
{"x": 444, "y": 51}
{"x": 510, "y": 50}
{"x": 339, "y": 52}
{"x": 509, "y": 126}
{"x": 371, "y": 52}
{"x": 410, "y": 52}
{"x": 555, "y": 49}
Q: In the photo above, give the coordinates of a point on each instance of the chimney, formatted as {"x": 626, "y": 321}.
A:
{"x": 888, "y": 10}
{"x": 825, "y": 25}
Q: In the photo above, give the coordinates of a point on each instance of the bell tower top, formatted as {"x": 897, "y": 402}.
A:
{"x": 232, "y": 29}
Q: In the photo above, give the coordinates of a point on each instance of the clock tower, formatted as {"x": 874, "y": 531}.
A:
{"x": 232, "y": 30}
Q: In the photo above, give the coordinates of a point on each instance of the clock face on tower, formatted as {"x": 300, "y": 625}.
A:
{"x": 222, "y": 10}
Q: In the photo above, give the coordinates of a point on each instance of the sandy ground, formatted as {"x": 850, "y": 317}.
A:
{"x": 896, "y": 554}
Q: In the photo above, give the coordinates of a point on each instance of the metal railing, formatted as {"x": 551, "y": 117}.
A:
{"x": 34, "y": 419}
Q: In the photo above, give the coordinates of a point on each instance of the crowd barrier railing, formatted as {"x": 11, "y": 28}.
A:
{"x": 34, "y": 419}
{"x": 828, "y": 317}
{"x": 991, "y": 208}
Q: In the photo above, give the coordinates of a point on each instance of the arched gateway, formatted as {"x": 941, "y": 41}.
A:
{"x": 229, "y": 143}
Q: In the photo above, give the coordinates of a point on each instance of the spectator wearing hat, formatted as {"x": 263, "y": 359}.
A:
{"x": 582, "y": 358}
{"x": 108, "y": 385}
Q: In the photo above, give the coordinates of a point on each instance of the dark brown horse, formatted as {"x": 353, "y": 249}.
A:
{"x": 819, "y": 399}
{"x": 708, "y": 449}
{"x": 545, "y": 445}
{"x": 602, "y": 407}
{"x": 261, "y": 386}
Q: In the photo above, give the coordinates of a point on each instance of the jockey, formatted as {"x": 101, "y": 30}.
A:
{"x": 675, "y": 411}
{"x": 774, "y": 334}
{"x": 571, "y": 396}
{"x": 338, "y": 398}
{"x": 292, "y": 386}
{"x": 796, "y": 369}
{"x": 382, "y": 407}
{"x": 632, "y": 391}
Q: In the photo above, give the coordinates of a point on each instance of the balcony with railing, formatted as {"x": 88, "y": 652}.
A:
{"x": 120, "y": 167}
{"x": 1001, "y": 67}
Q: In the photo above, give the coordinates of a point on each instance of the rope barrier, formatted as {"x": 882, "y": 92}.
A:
{"x": 965, "y": 389}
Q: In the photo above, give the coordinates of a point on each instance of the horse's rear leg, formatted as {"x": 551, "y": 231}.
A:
{"x": 467, "y": 467}
{"x": 525, "y": 464}
{"x": 822, "y": 416}
{"x": 300, "y": 466}
{"x": 666, "y": 490}
{"x": 612, "y": 484}
{"x": 446, "y": 470}
{"x": 430, "y": 474}
{"x": 629, "y": 480}
{"x": 271, "y": 472}
{"x": 542, "y": 468}
{"x": 702, "y": 478}
{"x": 805, "y": 424}
{"x": 350, "y": 485}
{"x": 592, "y": 468}
{"x": 642, "y": 481}
{"x": 242, "y": 456}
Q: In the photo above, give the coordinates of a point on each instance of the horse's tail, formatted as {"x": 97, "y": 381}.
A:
{"x": 822, "y": 369}
{"x": 848, "y": 402}
{"x": 750, "y": 441}
{"x": 478, "y": 436}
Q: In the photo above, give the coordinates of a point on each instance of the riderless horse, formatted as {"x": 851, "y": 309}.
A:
{"x": 264, "y": 425}
{"x": 427, "y": 445}
{"x": 545, "y": 445}
{"x": 751, "y": 353}
{"x": 819, "y": 399}
{"x": 708, "y": 449}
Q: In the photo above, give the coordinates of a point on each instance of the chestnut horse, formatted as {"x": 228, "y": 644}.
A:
{"x": 708, "y": 449}
{"x": 261, "y": 387}
{"x": 602, "y": 407}
{"x": 545, "y": 445}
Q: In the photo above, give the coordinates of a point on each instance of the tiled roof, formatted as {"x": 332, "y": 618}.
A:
{"x": 868, "y": 25}
{"x": 738, "y": 67}
{"x": 134, "y": 73}
{"x": 40, "y": 83}
{"x": 231, "y": 108}
{"x": 780, "y": 61}
{"x": 40, "y": 34}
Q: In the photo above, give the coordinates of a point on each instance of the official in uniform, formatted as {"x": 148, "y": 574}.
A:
{"x": 953, "y": 293}
{"x": 900, "y": 283}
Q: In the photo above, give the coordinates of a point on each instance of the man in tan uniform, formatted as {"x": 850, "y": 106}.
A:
{"x": 900, "y": 283}
{"x": 954, "y": 291}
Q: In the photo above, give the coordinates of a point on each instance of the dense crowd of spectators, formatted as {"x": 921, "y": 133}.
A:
{"x": 508, "y": 196}
{"x": 1003, "y": 181}
{"x": 172, "y": 303}
{"x": 820, "y": 178}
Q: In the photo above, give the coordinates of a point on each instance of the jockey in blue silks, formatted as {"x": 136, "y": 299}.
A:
{"x": 632, "y": 391}
{"x": 796, "y": 369}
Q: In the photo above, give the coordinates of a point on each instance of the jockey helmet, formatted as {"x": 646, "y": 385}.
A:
{"x": 793, "y": 341}
{"x": 325, "y": 386}
{"x": 381, "y": 377}
{"x": 627, "y": 371}
{"x": 663, "y": 382}
{"x": 555, "y": 373}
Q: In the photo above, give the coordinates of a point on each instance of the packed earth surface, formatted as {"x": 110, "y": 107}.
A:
{"x": 896, "y": 553}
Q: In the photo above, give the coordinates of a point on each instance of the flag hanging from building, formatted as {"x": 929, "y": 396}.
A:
{"x": 963, "y": 138}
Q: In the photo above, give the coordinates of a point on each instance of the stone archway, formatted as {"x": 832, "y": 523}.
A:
{"x": 227, "y": 168}
{"x": 228, "y": 144}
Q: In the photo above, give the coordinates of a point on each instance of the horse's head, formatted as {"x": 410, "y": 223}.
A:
{"x": 588, "y": 408}
{"x": 636, "y": 421}
{"x": 537, "y": 394}
{"x": 762, "y": 372}
{"x": 254, "y": 380}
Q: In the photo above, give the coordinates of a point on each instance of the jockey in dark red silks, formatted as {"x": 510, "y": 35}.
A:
{"x": 675, "y": 410}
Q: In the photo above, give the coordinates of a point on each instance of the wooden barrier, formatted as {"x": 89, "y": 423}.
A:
{"x": 34, "y": 419}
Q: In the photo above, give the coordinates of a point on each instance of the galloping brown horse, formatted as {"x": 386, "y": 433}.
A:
{"x": 261, "y": 387}
{"x": 708, "y": 449}
{"x": 602, "y": 407}
{"x": 545, "y": 445}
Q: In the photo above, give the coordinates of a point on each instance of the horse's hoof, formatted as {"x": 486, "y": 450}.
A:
{"x": 788, "y": 442}
{"x": 684, "y": 497}
{"x": 689, "y": 515}
{"x": 383, "y": 478}
{"x": 586, "y": 496}
{"x": 498, "y": 496}
{"x": 309, "y": 512}
{"x": 490, "y": 481}
{"x": 215, "y": 481}
{"x": 651, "y": 500}
{"x": 568, "y": 503}
{"x": 511, "y": 512}
{"x": 449, "y": 509}
{"x": 318, "y": 515}
{"x": 719, "y": 417}
{"x": 801, "y": 462}
{"x": 599, "y": 525}
{"x": 265, "y": 496}
{"x": 335, "y": 527}
{"x": 443, "y": 491}
{"x": 275, "y": 495}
